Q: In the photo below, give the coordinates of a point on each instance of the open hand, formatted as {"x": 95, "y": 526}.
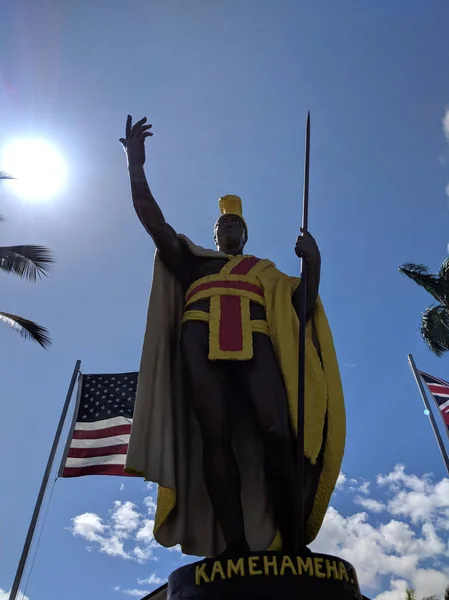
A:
{"x": 307, "y": 248}
{"x": 134, "y": 140}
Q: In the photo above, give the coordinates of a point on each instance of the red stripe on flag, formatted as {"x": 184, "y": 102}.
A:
{"x": 438, "y": 389}
{"x": 96, "y": 470}
{"x": 96, "y": 434}
{"x": 105, "y": 451}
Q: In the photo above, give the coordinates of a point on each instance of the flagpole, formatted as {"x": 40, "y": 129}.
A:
{"x": 301, "y": 356}
{"x": 43, "y": 488}
{"x": 72, "y": 426}
{"x": 439, "y": 439}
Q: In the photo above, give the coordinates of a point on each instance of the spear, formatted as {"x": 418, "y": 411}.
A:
{"x": 302, "y": 353}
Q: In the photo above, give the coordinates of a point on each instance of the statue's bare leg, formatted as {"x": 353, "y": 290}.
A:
{"x": 266, "y": 392}
{"x": 207, "y": 387}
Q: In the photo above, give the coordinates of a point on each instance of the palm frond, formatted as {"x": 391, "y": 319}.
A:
{"x": 27, "y": 329}
{"x": 410, "y": 594}
{"x": 412, "y": 269}
{"x": 435, "y": 285}
{"x": 432, "y": 597}
{"x": 444, "y": 270}
{"x": 434, "y": 329}
{"x": 29, "y": 262}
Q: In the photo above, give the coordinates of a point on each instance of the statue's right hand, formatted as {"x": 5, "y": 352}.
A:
{"x": 134, "y": 141}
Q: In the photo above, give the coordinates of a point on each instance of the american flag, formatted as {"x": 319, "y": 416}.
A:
{"x": 440, "y": 391}
{"x": 99, "y": 439}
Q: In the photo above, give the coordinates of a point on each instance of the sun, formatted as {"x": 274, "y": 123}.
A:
{"x": 38, "y": 168}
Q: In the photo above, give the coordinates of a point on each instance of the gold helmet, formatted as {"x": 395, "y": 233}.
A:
{"x": 232, "y": 205}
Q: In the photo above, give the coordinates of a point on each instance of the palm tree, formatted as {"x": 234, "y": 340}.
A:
{"x": 410, "y": 595}
{"x": 28, "y": 262}
{"x": 434, "y": 328}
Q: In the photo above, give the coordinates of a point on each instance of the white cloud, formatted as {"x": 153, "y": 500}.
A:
{"x": 425, "y": 582}
{"x": 417, "y": 498}
{"x": 364, "y": 487}
{"x": 392, "y": 549}
{"x": 153, "y": 579}
{"x": 398, "y": 536}
{"x": 125, "y": 518}
{"x": 150, "y": 503}
{"x": 396, "y": 592}
{"x": 5, "y": 595}
{"x": 399, "y": 477}
{"x": 447, "y": 189}
{"x": 91, "y": 527}
{"x": 142, "y": 554}
{"x": 370, "y": 504}
{"x": 353, "y": 485}
{"x": 404, "y": 552}
{"x": 88, "y": 525}
{"x": 113, "y": 546}
{"x": 446, "y": 123}
{"x": 176, "y": 548}
{"x": 415, "y": 505}
{"x": 341, "y": 480}
{"x": 357, "y": 541}
{"x": 428, "y": 582}
{"x": 132, "y": 592}
{"x": 125, "y": 525}
{"x": 145, "y": 534}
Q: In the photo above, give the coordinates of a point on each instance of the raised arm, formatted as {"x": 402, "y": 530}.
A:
{"x": 146, "y": 207}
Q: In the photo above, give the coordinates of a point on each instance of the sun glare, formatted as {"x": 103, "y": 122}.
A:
{"x": 38, "y": 168}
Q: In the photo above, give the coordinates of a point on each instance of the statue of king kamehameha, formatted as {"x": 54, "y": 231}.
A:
{"x": 216, "y": 408}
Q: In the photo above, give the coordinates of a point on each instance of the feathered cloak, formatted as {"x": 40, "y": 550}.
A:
{"x": 165, "y": 445}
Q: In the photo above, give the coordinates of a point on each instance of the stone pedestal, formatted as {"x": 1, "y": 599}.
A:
{"x": 266, "y": 576}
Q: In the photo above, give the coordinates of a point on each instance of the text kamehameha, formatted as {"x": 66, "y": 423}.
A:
{"x": 278, "y": 565}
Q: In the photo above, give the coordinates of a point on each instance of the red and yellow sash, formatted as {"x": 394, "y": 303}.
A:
{"x": 230, "y": 292}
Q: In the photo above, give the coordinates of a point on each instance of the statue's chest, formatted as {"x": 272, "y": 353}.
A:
{"x": 203, "y": 267}
{"x": 230, "y": 293}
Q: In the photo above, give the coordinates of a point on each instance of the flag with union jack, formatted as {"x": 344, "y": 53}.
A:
{"x": 439, "y": 390}
{"x": 99, "y": 437}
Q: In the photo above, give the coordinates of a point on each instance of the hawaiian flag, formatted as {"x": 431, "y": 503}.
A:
{"x": 440, "y": 392}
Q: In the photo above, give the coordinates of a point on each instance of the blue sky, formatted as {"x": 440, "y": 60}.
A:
{"x": 227, "y": 86}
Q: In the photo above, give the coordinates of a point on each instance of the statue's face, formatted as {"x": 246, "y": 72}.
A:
{"x": 230, "y": 234}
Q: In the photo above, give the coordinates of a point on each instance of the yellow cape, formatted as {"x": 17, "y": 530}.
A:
{"x": 324, "y": 402}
